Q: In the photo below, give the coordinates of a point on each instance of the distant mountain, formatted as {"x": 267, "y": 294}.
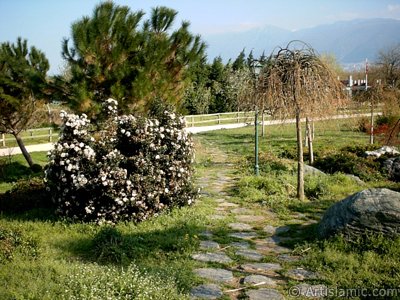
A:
{"x": 350, "y": 41}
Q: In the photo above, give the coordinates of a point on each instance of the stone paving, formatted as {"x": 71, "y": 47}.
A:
{"x": 254, "y": 264}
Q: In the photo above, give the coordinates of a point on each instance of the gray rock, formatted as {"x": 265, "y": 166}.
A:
{"x": 270, "y": 229}
{"x": 240, "y": 226}
{"x": 257, "y": 279}
{"x": 240, "y": 245}
{"x": 288, "y": 258}
{"x": 227, "y": 204}
{"x": 309, "y": 291}
{"x": 249, "y": 218}
{"x": 206, "y": 291}
{"x": 212, "y": 257}
{"x": 375, "y": 210}
{"x": 206, "y": 233}
{"x": 243, "y": 235}
{"x": 249, "y": 254}
{"x": 261, "y": 267}
{"x": 355, "y": 178}
{"x": 241, "y": 210}
{"x": 309, "y": 170}
{"x": 263, "y": 294}
{"x": 301, "y": 274}
{"x": 383, "y": 150}
{"x": 392, "y": 166}
{"x": 206, "y": 245}
{"x": 219, "y": 275}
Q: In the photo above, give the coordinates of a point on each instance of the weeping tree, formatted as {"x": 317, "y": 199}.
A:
{"x": 117, "y": 53}
{"x": 295, "y": 82}
{"x": 22, "y": 86}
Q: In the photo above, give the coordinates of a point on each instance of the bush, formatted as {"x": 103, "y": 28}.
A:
{"x": 131, "y": 169}
{"x": 25, "y": 195}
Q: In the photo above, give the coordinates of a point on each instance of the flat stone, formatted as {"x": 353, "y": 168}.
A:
{"x": 249, "y": 218}
{"x": 206, "y": 233}
{"x": 240, "y": 245}
{"x": 227, "y": 204}
{"x": 301, "y": 274}
{"x": 270, "y": 229}
{"x": 220, "y": 200}
{"x": 217, "y": 217}
{"x": 309, "y": 291}
{"x": 243, "y": 235}
{"x": 261, "y": 267}
{"x": 257, "y": 279}
{"x": 249, "y": 254}
{"x": 263, "y": 294}
{"x": 241, "y": 210}
{"x": 209, "y": 245}
{"x": 219, "y": 275}
{"x": 240, "y": 226}
{"x": 288, "y": 258}
{"x": 212, "y": 257}
{"x": 206, "y": 291}
{"x": 276, "y": 240}
{"x": 264, "y": 246}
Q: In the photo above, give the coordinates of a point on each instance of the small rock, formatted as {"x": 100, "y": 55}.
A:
{"x": 269, "y": 229}
{"x": 219, "y": 275}
{"x": 301, "y": 274}
{"x": 249, "y": 218}
{"x": 256, "y": 279}
{"x": 288, "y": 258}
{"x": 309, "y": 170}
{"x": 240, "y": 245}
{"x": 206, "y": 291}
{"x": 205, "y": 245}
{"x": 241, "y": 210}
{"x": 212, "y": 257}
{"x": 206, "y": 233}
{"x": 249, "y": 254}
{"x": 261, "y": 267}
{"x": 383, "y": 150}
{"x": 263, "y": 294}
{"x": 240, "y": 226}
{"x": 243, "y": 235}
{"x": 227, "y": 204}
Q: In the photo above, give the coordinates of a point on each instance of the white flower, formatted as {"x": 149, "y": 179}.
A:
{"x": 81, "y": 145}
{"x": 123, "y": 131}
{"x": 128, "y": 134}
{"x": 157, "y": 156}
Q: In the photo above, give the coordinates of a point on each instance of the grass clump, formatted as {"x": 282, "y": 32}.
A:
{"x": 369, "y": 262}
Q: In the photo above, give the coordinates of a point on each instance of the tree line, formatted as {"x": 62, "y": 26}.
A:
{"x": 142, "y": 62}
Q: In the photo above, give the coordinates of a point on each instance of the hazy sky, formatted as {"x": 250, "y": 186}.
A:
{"x": 45, "y": 22}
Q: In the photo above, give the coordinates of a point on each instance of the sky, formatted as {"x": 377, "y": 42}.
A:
{"x": 44, "y": 23}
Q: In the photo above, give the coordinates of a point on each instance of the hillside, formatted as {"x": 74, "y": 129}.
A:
{"x": 350, "y": 41}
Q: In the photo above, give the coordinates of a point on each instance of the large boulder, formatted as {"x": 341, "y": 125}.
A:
{"x": 372, "y": 210}
{"x": 392, "y": 166}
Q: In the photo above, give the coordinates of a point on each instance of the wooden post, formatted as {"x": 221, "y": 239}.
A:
{"x": 50, "y": 135}
{"x": 237, "y": 117}
{"x": 219, "y": 119}
{"x": 3, "y": 139}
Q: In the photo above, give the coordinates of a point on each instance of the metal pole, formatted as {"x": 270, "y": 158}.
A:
{"x": 256, "y": 167}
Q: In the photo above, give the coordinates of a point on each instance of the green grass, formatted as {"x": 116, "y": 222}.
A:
{"x": 47, "y": 258}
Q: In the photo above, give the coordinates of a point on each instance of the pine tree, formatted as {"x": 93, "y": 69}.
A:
{"x": 22, "y": 83}
{"x": 115, "y": 53}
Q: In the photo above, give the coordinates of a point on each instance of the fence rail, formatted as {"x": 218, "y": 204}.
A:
{"x": 50, "y": 134}
{"x": 47, "y": 133}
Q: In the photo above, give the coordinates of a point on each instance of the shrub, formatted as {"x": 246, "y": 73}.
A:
{"x": 25, "y": 195}
{"x": 131, "y": 169}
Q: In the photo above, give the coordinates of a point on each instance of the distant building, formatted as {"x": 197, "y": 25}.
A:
{"x": 352, "y": 86}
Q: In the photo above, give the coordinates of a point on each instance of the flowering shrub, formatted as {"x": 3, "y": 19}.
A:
{"x": 130, "y": 170}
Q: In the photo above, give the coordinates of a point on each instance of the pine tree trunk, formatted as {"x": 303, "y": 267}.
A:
{"x": 25, "y": 152}
{"x": 300, "y": 166}
{"x": 309, "y": 138}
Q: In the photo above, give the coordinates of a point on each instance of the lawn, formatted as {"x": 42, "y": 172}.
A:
{"x": 43, "y": 257}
